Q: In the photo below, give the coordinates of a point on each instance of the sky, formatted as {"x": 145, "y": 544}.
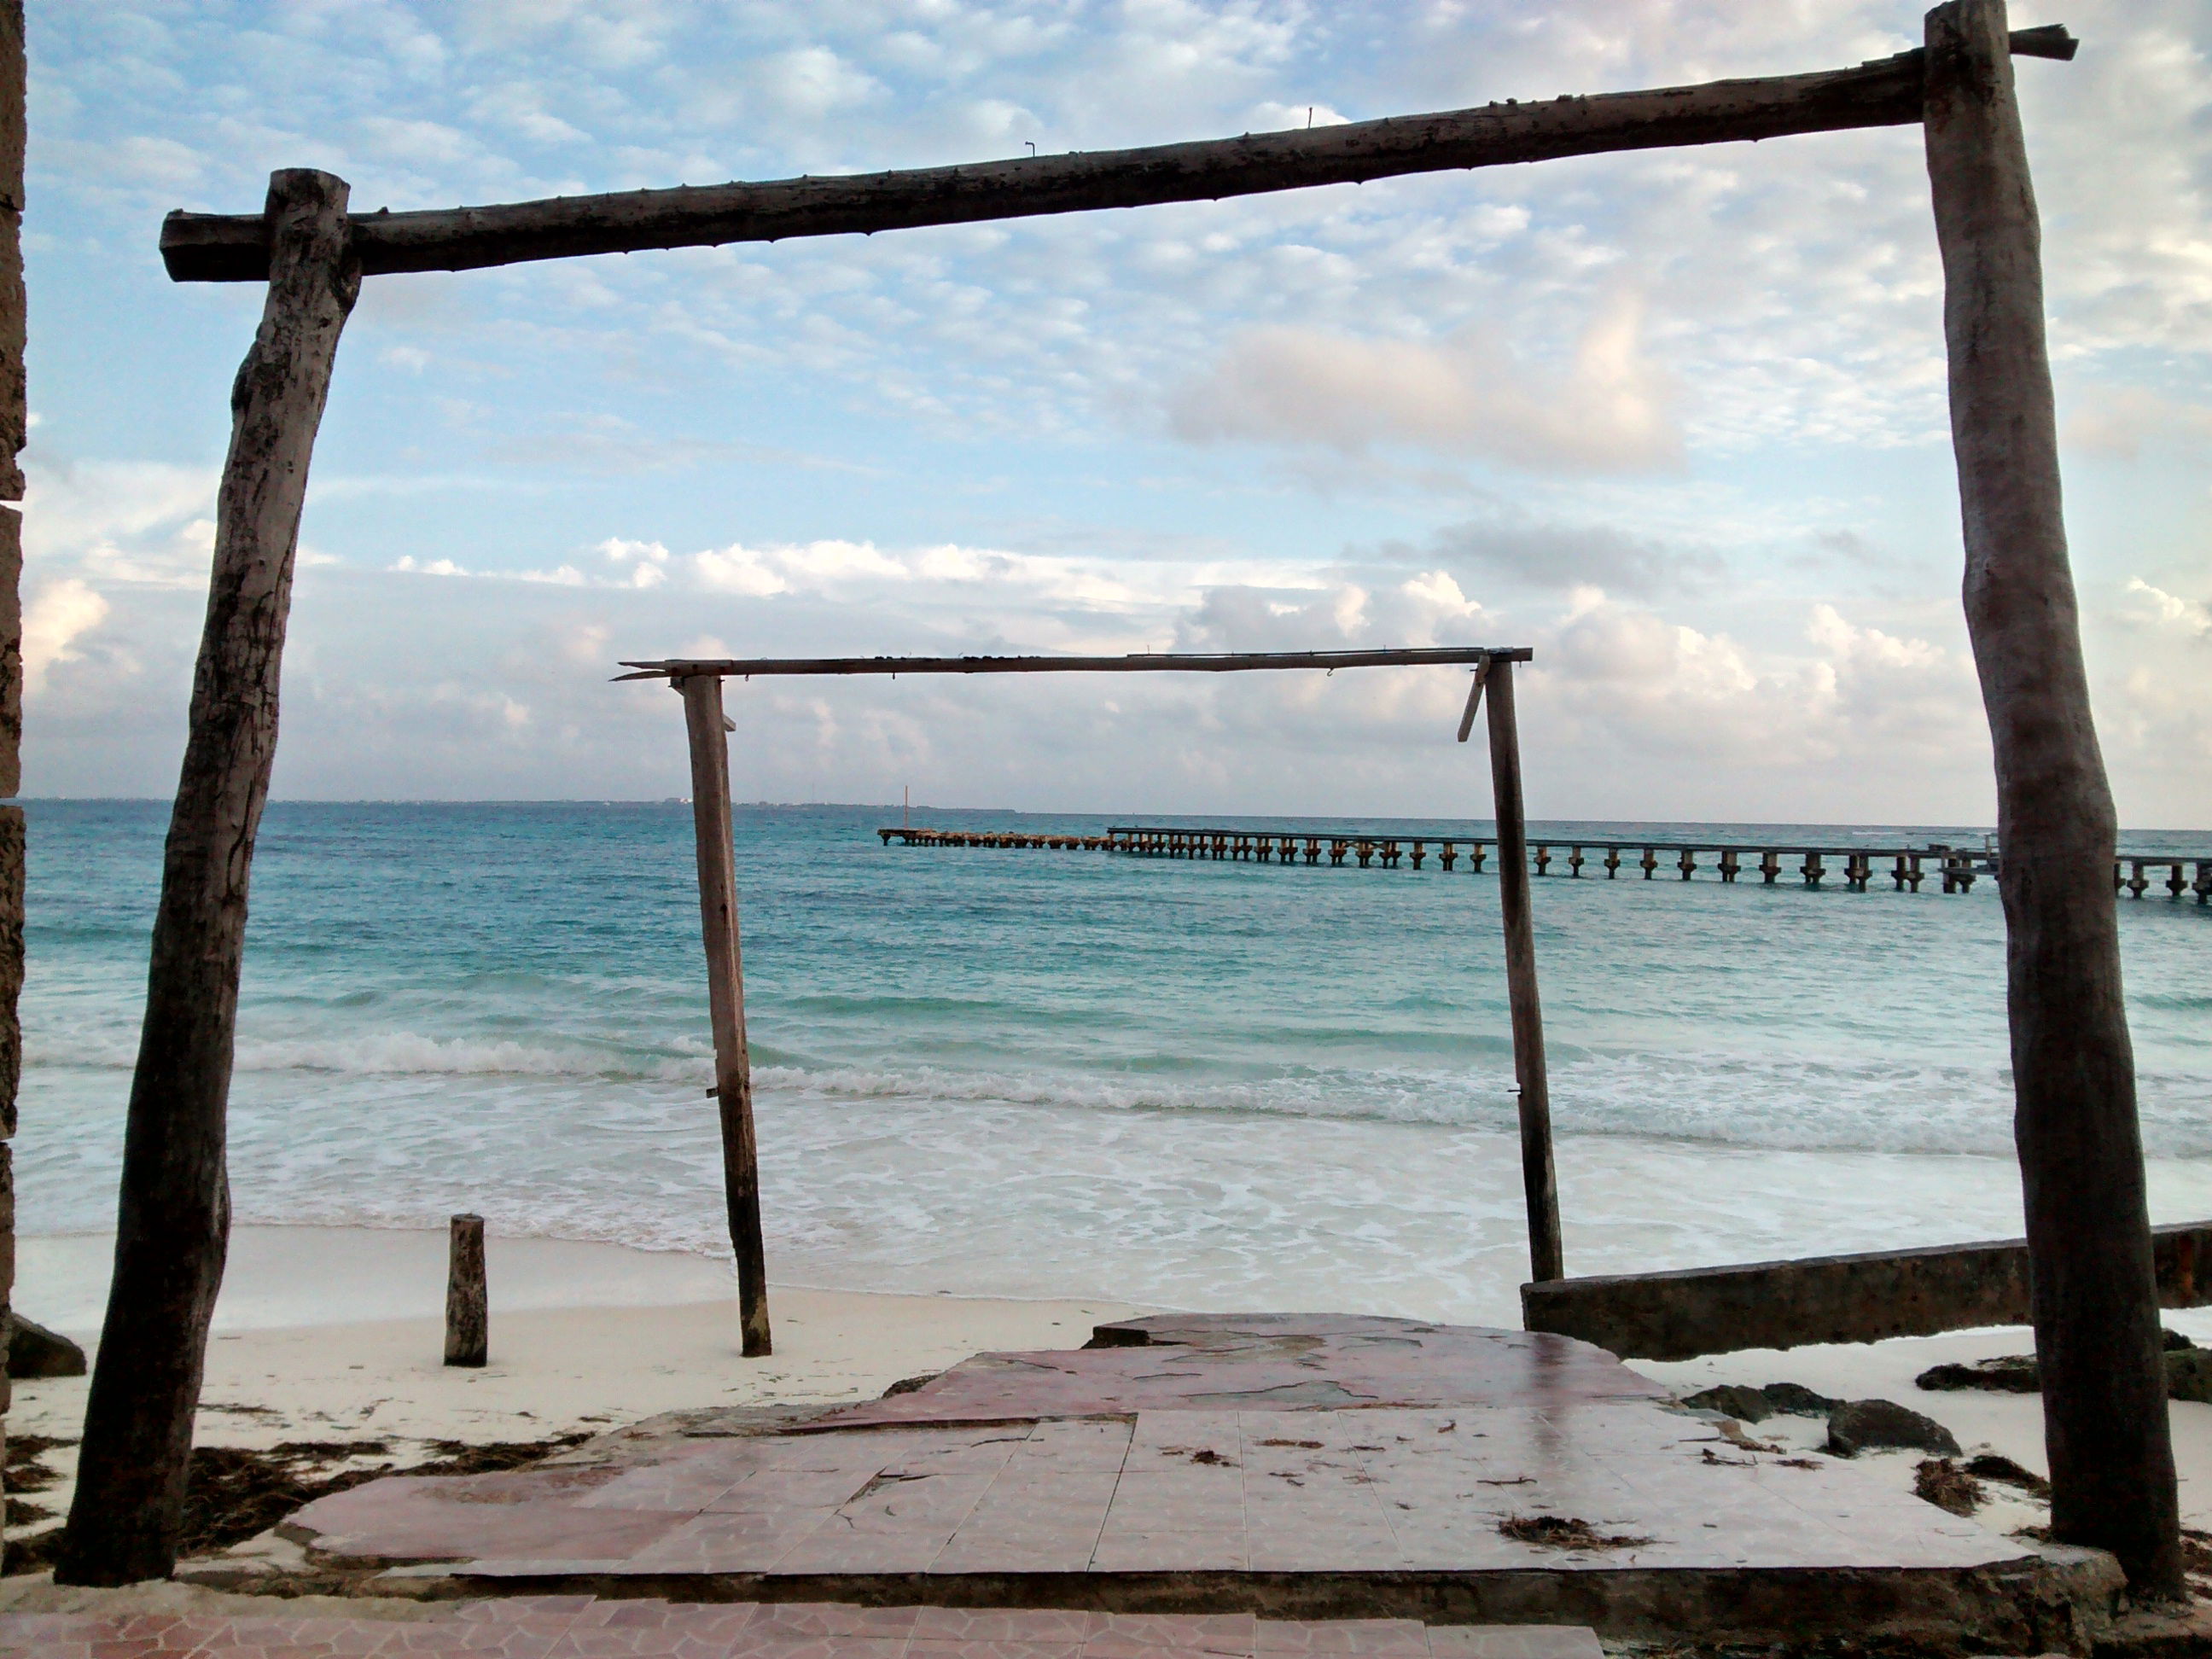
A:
{"x": 1675, "y": 419}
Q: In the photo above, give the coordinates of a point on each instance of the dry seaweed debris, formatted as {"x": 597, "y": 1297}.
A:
{"x": 231, "y": 1494}
{"x": 1564, "y": 1532}
{"x": 26, "y": 1474}
{"x": 1942, "y": 1482}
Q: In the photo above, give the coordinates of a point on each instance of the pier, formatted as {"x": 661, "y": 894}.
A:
{"x": 1954, "y": 869}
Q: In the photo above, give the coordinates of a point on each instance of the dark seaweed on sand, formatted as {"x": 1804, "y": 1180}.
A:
{"x": 231, "y": 1494}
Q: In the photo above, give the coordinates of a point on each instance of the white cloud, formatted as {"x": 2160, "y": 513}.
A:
{"x": 2122, "y": 421}
{"x": 55, "y": 618}
{"x": 121, "y": 521}
{"x": 1609, "y": 407}
{"x": 2192, "y": 619}
{"x": 1471, "y": 394}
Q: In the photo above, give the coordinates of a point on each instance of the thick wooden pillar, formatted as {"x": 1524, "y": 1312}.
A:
{"x": 1538, "y": 1181}
{"x": 726, "y": 996}
{"x": 2081, "y": 1153}
{"x": 172, "y": 1223}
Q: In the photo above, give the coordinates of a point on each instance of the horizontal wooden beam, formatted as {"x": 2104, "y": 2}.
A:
{"x": 1829, "y": 1299}
{"x": 1222, "y": 662}
{"x": 207, "y": 247}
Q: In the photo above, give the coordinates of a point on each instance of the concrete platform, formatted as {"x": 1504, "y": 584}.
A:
{"x": 1296, "y": 1468}
{"x": 584, "y": 1628}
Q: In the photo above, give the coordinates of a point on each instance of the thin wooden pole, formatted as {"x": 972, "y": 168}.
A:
{"x": 468, "y": 1299}
{"x": 1473, "y": 698}
{"x": 173, "y": 1219}
{"x": 1538, "y": 1181}
{"x": 2080, "y": 1152}
{"x": 726, "y": 996}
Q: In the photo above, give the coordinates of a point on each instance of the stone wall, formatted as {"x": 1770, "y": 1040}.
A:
{"x": 1828, "y": 1298}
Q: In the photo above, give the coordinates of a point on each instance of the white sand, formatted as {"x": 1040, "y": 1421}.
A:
{"x": 2010, "y": 1424}
{"x": 329, "y": 1335}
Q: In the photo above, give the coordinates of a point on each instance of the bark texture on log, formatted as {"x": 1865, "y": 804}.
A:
{"x": 214, "y": 247}
{"x": 1198, "y": 662}
{"x": 468, "y": 1299}
{"x": 173, "y": 1221}
{"x": 11, "y": 649}
{"x": 2080, "y": 1152}
{"x": 707, "y": 729}
{"x": 1540, "y": 1185}
{"x": 229, "y": 248}
{"x": 14, "y": 411}
{"x": 14, "y": 422}
{"x": 12, "y": 855}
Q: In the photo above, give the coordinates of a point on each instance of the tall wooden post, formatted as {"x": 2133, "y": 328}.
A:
{"x": 172, "y": 1223}
{"x": 13, "y": 428}
{"x": 2081, "y": 1153}
{"x": 725, "y": 995}
{"x": 1538, "y": 1181}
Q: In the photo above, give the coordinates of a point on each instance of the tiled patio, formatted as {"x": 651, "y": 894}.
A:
{"x": 582, "y": 1627}
{"x": 1297, "y": 1466}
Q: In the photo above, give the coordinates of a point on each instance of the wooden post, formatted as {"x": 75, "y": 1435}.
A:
{"x": 2080, "y": 1152}
{"x": 726, "y": 996}
{"x": 14, "y": 428}
{"x": 1536, "y": 1173}
{"x": 468, "y": 1304}
{"x": 173, "y": 1219}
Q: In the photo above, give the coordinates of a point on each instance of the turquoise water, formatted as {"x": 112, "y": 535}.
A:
{"x": 1041, "y": 1073}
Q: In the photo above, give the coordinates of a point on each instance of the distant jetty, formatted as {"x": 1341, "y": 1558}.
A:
{"x": 1956, "y": 868}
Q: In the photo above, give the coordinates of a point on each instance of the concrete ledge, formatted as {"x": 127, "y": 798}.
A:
{"x": 1828, "y": 1298}
{"x": 2052, "y": 1600}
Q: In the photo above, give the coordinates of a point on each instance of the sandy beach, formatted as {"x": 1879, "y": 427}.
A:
{"x": 2010, "y": 1424}
{"x": 334, "y": 1335}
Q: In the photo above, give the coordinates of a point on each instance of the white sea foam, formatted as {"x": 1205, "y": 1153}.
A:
{"x": 1722, "y": 1098}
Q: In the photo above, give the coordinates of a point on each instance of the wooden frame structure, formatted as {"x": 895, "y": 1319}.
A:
{"x": 2095, "y": 1307}
{"x": 708, "y": 728}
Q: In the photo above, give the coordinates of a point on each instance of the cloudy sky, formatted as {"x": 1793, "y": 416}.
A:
{"x": 1675, "y": 419}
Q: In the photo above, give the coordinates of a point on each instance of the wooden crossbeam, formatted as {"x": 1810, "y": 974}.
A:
{"x": 1221, "y": 662}
{"x": 206, "y": 247}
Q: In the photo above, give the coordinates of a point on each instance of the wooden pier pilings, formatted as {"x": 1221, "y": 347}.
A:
{"x": 1954, "y": 868}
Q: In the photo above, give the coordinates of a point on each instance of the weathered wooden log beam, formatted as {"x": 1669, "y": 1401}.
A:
{"x": 707, "y": 728}
{"x": 206, "y": 247}
{"x": 1538, "y": 1184}
{"x": 1222, "y": 662}
{"x": 2081, "y": 1150}
{"x": 174, "y": 1221}
{"x": 1828, "y": 1298}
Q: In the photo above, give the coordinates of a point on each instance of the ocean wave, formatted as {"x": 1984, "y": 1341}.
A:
{"x": 401, "y": 1054}
{"x": 1457, "y": 1102}
{"x": 1724, "y": 1098}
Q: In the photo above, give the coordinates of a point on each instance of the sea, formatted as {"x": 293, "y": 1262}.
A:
{"x": 1041, "y": 1073}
